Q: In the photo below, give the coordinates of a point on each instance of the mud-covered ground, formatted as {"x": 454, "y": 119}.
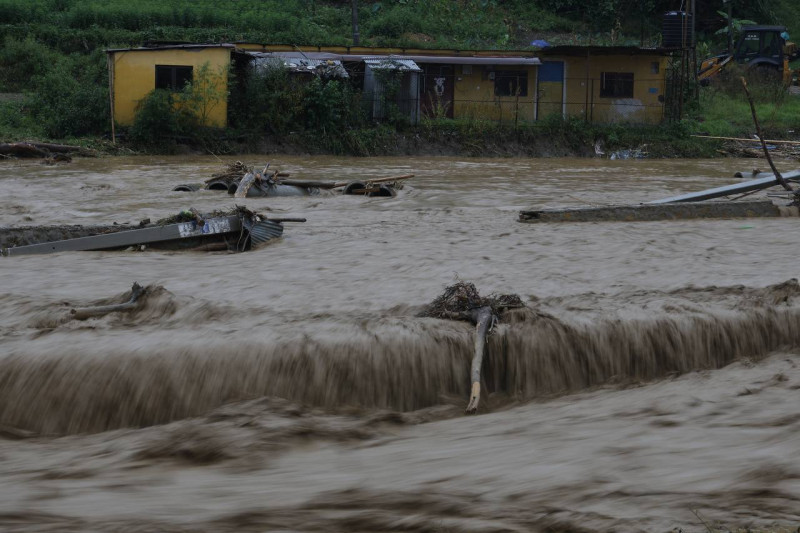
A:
{"x": 652, "y": 382}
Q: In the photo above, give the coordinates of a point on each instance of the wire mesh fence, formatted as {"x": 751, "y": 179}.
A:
{"x": 609, "y": 97}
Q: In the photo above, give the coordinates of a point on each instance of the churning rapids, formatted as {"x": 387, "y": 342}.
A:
{"x": 652, "y": 382}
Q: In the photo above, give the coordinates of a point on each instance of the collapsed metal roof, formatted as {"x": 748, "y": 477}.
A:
{"x": 392, "y": 63}
{"x": 427, "y": 59}
{"x": 299, "y": 63}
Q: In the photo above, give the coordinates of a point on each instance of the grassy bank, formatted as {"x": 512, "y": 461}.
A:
{"x": 723, "y": 115}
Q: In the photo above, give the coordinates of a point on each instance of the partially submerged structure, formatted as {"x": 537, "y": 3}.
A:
{"x": 701, "y": 204}
{"x": 237, "y": 230}
{"x": 598, "y": 84}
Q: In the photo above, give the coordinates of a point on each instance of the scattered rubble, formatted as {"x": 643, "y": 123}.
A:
{"x": 242, "y": 181}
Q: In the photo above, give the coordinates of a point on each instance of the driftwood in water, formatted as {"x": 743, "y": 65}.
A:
{"x": 244, "y": 186}
{"x": 82, "y": 313}
{"x": 462, "y": 302}
{"x": 778, "y": 176}
{"x": 375, "y": 180}
{"x": 338, "y": 184}
{"x": 483, "y": 319}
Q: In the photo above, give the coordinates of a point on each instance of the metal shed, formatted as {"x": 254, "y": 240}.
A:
{"x": 407, "y": 97}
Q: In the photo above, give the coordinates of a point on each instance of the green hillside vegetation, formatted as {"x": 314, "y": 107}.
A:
{"x": 52, "y": 50}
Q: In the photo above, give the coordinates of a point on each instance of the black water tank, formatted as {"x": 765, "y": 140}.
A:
{"x": 673, "y": 30}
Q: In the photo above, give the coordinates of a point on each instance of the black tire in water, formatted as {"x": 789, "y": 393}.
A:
{"x": 353, "y": 186}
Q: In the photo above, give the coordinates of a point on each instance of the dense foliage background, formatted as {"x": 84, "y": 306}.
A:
{"x": 52, "y": 50}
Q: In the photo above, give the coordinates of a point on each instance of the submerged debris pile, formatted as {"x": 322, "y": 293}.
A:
{"x": 459, "y": 300}
{"x": 243, "y": 181}
{"x": 189, "y": 215}
{"x": 233, "y": 171}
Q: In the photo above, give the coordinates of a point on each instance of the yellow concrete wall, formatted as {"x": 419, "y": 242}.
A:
{"x": 644, "y": 107}
{"x": 474, "y": 96}
{"x": 134, "y": 76}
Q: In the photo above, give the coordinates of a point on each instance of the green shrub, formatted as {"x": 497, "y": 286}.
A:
{"x": 199, "y": 98}
{"x": 331, "y": 106}
{"x": 21, "y": 61}
{"x": 267, "y": 100}
{"x": 71, "y": 98}
{"x": 156, "y": 124}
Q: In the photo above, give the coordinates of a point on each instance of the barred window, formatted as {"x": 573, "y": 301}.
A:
{"x": 172, "y": 77}
{"x": 616, "y": 85}
{"x": 511, "y": 83}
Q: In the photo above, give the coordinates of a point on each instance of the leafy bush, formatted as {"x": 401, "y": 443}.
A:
{"x": 164, "y": 116}
{"x": 21, "y": 61}
{"x": 200, "y": 97}
{"x": 71, "y": 98}
{"x": 156, "y": 124}
{"x": 267, "y": 100}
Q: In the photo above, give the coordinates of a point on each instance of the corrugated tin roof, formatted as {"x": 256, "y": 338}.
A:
{"x": 392, "y": 63}
{"x": 169, "y": 47}
{"x": 327, "y": 68}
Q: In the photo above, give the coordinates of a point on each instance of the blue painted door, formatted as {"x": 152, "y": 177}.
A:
{"x": 550, "y": 89}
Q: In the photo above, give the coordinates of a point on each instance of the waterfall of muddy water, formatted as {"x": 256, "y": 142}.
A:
{"x": 653, "y": 374}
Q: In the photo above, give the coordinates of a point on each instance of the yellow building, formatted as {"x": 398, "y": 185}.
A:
{"x": 598, "y": 84}
{"x": 135, "y": 72}
{"x": 604, "y": 84}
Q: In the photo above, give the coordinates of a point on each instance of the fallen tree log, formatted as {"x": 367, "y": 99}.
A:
{"x": 483, "y": 318}
{"x": 22, "y": 150}
{"x": 462, "y": 302}
{"x": 375, "y": 180}
{"x": 244, "y": 186}
{"x": 58, "y": 148}
{"x": 36, "y": 149}
{"x": 338, "y": 184}
{"x": 82, "y": 313}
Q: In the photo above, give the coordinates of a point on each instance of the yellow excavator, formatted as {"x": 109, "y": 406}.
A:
{"x": 762, "y": 49}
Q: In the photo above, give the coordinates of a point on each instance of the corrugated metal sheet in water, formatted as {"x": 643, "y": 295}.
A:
{"x": 264, "y": 231}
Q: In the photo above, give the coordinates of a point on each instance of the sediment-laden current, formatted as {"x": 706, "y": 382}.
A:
{"x": 650, "y": 383}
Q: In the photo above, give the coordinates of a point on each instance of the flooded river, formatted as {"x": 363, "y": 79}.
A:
{"x": 652, "y": 382}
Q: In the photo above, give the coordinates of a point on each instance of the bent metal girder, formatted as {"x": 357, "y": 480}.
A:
{"x": 763, "y": 180}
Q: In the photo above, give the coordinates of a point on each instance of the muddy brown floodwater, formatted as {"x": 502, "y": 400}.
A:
{"x": 652, "y": 384}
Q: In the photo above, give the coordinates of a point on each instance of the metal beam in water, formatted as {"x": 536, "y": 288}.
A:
{"x": 170, "y": 232}
{"x": 644, "y": 212}
{"x": 763, "y": 180}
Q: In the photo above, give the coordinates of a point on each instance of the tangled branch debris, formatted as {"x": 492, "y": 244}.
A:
{"x": 459, "y": 300}
{"x": 233, "y": 172}
{"x": 462, "y": 301}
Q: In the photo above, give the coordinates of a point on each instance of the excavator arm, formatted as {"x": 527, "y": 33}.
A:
{"x": 710, "y": 67}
